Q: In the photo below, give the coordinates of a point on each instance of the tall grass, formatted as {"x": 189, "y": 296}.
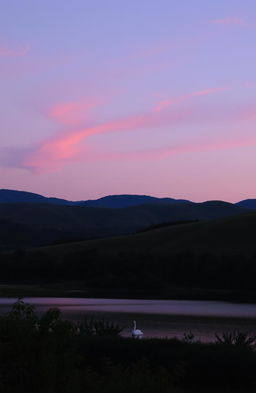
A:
{"x": 48, "y": 354}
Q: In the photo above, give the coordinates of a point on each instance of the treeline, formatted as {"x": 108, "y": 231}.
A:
{"x": 166, "y": 224}
{"x": 133, "y": 271}
{"x": 43, "y": 354}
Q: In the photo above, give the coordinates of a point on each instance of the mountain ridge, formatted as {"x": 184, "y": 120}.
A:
{"x": 248, "y": 203}
{"x": 108, "y": 201}
{"x": 111, "y": 201}
{"x": 27, "y": 224}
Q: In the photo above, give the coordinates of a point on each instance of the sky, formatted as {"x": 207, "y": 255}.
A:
{"x": 101, "y": 97}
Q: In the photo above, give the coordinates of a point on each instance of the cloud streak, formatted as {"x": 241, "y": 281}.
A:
{"x": 229, "y": 22}
{"x": 18, "y": 51}
{"x": 162, "y": 105}
{"x": 73, "y": 112}
{"x": 71, "y": 146}
{"x": 55, "y": 152}
{"x": 17, "y": 158}
{"x": 164, "y": 152}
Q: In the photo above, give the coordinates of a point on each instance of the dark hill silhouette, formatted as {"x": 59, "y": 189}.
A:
{"x": 26, "y": 224}
{"x": 248, "y": 203}
{"x": 215, "y": 258}
{"x": 13, "y": 196}
{"x": 120, "y": 201}
{"x": 110, "y": 201}
{"x": 229, "y": 235}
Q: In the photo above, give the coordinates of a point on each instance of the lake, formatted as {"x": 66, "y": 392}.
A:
{"x": 156, "y": 318}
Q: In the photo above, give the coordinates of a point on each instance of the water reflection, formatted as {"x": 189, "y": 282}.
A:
{"x": 157, "y": 318}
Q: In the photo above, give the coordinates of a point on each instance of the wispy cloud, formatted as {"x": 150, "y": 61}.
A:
{"x": 31, "y": 65}
{"x": 52, "y": 153}
{"x": 248, "y": 114}
{"x": 72, "y": 145}
{"x": 178, "y": 100}
{"x": 229, "y": 22}
{"x": 142, "y": 53}
{"x": 17, "y": 51}
{"x": 13, "y": 157}
{"x": 73, "y": 112}
{"x": 149, "y": 52}
{"x": 161, "y": 153}
{"x": 48, "y": 159}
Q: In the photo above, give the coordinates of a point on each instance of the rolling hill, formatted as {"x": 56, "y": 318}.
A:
{"x": 228, "y": 235}
{"x": 207, "y": 259}
{"x": 110, "y": 201}
{"x": 14, "y": 196}
{"x": 121, "y": 201}
{"x": 27, "y": 224}
{"x": 247, "y": 203}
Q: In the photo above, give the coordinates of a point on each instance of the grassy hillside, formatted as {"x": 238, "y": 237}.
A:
{"x": 27, "y": 224}
{"x": 227, "y": 235}
{"x": 201, "y": 259}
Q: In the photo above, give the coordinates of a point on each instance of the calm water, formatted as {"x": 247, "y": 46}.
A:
{"x": 157, "y": 318}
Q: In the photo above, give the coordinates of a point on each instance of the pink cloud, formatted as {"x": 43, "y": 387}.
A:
{"x": 167, "y": 103}
{"x": 66, "y": 147}
{"x": 52, "y": 153}
{"x": 160, "y": 48}
{"x": 229, "y": 21}
{"x": 143, "y": 53}
{"x": 73, "y": 112}
{"x": 216, "y": 145}
{"x": 207, "y": 91}
{"x": 161, "y": 153}
{"x": 70, "y": 146}
{"x": 247, "y": 115}
{"x": 30, "y": 65}
{"x": 149, "y": 52}
{"x": 20, "y": 50}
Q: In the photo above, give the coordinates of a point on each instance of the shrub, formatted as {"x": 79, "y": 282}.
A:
{"x": 236, "y": 338}
{"x": 99, "y": 327}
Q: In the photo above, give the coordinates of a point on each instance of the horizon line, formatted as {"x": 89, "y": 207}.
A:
{"x": 125, "y": 194}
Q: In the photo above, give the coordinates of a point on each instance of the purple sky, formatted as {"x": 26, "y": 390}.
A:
{"x": 141, "y": 97}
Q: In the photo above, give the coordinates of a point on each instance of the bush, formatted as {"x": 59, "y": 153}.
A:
{"x": 48, "y": 354}
{"x": 237, "y": 338}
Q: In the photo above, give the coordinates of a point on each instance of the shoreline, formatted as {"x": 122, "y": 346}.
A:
{"x": 76, "y": 290}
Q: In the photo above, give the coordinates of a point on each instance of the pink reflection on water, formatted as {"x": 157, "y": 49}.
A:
{"x": 164, "y": 307}
{"x": 156, "y": 318}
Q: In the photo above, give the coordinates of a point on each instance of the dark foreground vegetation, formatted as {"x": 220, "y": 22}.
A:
{"x": 47, "y": 354}
{"x": 186, "y": 275}
{"x": 37, "y": 224}
{"x": 209, "y": 259}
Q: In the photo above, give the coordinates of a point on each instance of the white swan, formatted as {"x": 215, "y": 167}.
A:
{"x": 136, "y": 333}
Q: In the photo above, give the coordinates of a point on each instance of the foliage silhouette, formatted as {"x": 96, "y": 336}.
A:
{"x": 99, "y": 327}
{"x": 237, "y": 338}
{"x": 46, "y": 354}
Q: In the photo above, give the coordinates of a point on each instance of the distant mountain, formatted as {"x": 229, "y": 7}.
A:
{"x": 26, "y": 224}
{"x": 248, "y": 203}
{"x": 13, "y": 196}
{"x": 111, "y": 201}
{"x": 121, "y": 201}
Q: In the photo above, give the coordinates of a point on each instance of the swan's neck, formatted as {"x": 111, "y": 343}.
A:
{"x": 134, "y": 325}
